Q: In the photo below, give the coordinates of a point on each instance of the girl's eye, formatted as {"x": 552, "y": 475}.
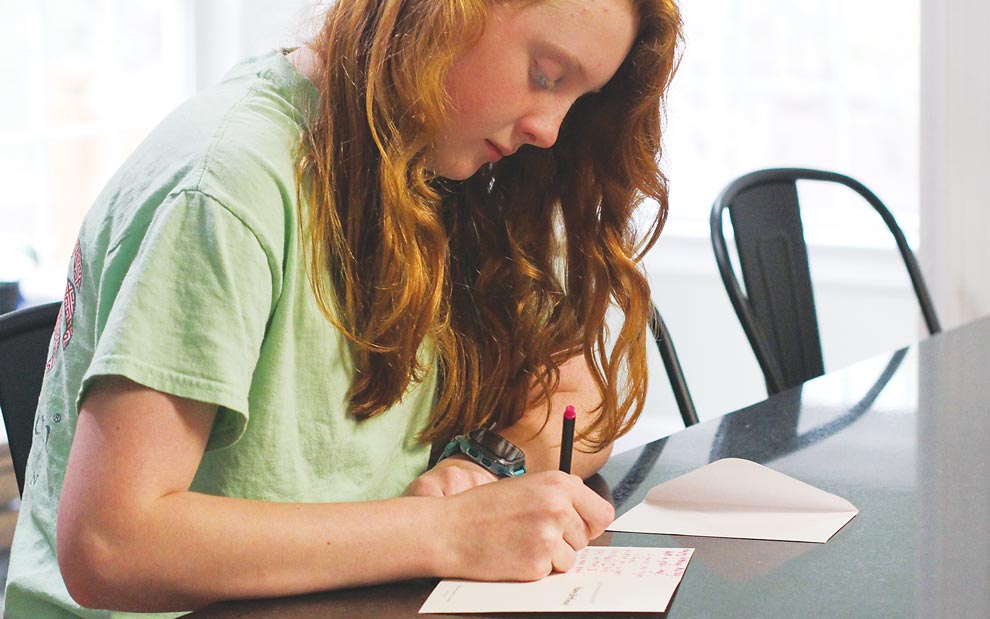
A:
{"x": 541, "y": 79}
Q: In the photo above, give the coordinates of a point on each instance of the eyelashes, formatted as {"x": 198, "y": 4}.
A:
{"x": 541, "y": 79}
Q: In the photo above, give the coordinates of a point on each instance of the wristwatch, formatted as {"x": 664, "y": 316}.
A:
{"x": 491, "y": 451}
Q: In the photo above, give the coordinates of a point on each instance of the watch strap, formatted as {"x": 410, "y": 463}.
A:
{"x": 462, "y": 444}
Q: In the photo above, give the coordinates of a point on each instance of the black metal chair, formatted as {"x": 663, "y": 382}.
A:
{"x": 777, "y": 310}
{"x": 24, "y": 338}
{"x": 650, "y": 452}
{"x": 9, "y": 296}
{"x": 672, "y": 364}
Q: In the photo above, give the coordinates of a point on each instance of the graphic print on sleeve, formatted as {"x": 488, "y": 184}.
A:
{"x": 63, "y": 326}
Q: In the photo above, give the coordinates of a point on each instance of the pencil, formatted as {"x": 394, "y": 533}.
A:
{"x": 567, "y": 439}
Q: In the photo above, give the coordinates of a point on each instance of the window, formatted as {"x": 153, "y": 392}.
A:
{"x": 806, "y": 83}
{"x": 88, "y": 82}
{"x": 831, "y": 84}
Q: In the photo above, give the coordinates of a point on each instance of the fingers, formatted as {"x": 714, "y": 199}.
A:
{"x": 596, "y": 512}
{"x": 423, "y": 487}
{"x": 451, "y": 476}
{"x": 524, "y": 528}
{"x": 564, "y": 557}
{"x": 584, "y": 517}
{"x": 590, "y": 516}
{"x": 576, "y": 533}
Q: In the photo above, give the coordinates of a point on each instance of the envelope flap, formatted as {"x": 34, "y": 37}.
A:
{"x": 735, "y": 484}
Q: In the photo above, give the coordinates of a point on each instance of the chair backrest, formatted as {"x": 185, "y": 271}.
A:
{"x": 672, "y": 364}
{"x": 777, "y": 309}
{"x": 24, "y": 339}
{"x": 9, "y": 296}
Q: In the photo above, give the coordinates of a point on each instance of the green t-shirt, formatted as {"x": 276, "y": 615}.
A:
{"x": 190, "y": 278}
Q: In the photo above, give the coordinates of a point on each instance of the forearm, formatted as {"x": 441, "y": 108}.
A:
{"x": 131, "y": 536}
{"x": 539, "y": 436}
{"x": 186, "y": 550}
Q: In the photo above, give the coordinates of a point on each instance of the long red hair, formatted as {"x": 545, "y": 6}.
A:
{"x": 499, "y": 279}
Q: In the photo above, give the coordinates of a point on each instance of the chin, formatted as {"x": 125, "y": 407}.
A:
{"x": 458, "y": 170}
{"x": 460, "y": 174}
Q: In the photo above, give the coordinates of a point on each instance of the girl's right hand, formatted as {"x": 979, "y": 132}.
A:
{"x": 521, "y": 529}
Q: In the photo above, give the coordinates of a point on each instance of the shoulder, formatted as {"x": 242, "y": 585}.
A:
{"x": 249, "y": 161}
{"x": 235, "y": 143}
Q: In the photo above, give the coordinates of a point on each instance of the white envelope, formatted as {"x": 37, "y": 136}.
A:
{"x": 738, "y": 498}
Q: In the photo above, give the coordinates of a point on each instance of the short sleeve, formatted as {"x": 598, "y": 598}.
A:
{"x": 183, "y": 309}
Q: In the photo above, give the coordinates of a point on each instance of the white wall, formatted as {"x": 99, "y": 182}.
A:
{"x": 955, "y": 157}
{"x": 229, "y": 30}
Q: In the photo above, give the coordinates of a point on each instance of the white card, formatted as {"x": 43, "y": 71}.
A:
{"x": 603, "y": 579}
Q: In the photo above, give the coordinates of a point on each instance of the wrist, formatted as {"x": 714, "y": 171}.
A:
{"x": 463, "y": 462}
{"x": 444, "y": 536}
{"x": 431, "y": 530}
{"x": 489, "y": 450}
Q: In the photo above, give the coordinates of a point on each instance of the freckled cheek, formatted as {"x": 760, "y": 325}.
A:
{"x": 487, "y": 100}
{"x": 473, "y": 106}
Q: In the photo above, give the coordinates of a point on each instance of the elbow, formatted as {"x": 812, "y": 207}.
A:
{"x": 82, "y": 587}
{"x": 595, "y": 461}
{"x": 592, "y": 459}
{"x": 604, "y": 455}
{"x": 91, "y": 569}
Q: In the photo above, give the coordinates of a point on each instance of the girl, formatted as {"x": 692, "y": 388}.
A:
{"x": 406, "y": 232}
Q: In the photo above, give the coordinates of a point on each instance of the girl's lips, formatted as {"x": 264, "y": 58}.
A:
{"x": 494, "y": 154}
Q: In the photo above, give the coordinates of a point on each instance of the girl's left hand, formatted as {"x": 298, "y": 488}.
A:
{"x": 450, "y": 476}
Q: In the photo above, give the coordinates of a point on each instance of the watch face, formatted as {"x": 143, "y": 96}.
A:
{"x": 496, "y": 445}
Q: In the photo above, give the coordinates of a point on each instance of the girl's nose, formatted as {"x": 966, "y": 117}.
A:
{"x": 540, "y": 129}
